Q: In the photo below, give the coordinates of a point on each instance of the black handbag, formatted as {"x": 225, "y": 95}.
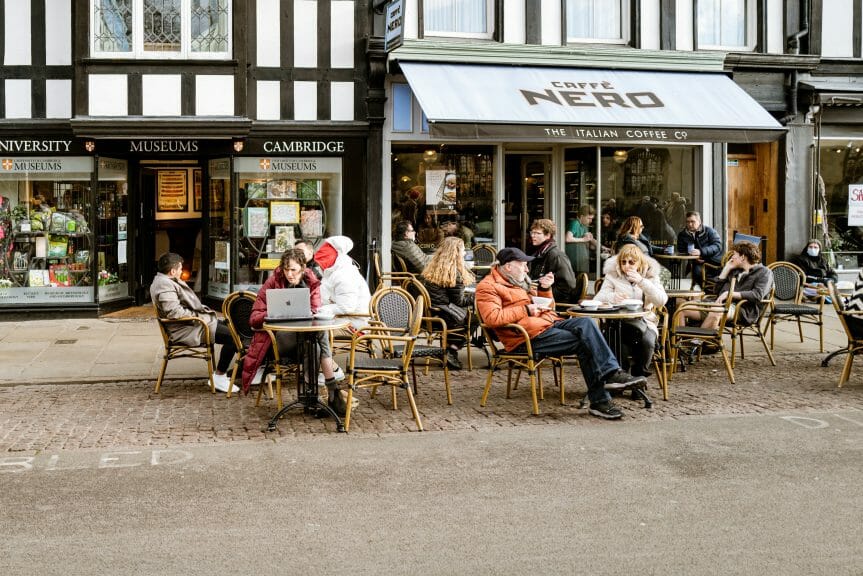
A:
{"x": 456, "y": 313}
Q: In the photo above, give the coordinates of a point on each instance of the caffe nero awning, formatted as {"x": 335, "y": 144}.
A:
{"x": 540, "y": 104}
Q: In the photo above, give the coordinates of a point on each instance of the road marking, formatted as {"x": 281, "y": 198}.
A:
{"x": 113, "y": 459}
{"x": 816, "y": 423}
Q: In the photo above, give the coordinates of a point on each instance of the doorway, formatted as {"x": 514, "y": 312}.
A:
{"x": 753, "y": 195}
{"x": 526, "y": 181}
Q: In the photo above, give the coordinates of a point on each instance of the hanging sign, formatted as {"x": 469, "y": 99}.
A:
{"x": 855, "y": 204}
{"x": 395, "y": 25}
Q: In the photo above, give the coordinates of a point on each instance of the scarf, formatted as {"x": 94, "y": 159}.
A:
{"x": 542, "y": 249}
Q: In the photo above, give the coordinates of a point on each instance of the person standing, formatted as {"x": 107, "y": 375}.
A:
{"x": 701, "y": 241}
{"x": 405, "y": 247}
{"x": 176, "y": 299}
{"x": 547, "y": 257}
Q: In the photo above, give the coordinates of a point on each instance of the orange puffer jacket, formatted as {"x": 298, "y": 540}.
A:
{"x": 499, "y": 302}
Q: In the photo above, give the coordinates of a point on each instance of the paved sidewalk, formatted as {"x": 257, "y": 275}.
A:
{"x": 88, "y": 383}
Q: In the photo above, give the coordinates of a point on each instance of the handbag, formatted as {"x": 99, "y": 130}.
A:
{"x": 456, "y": 313}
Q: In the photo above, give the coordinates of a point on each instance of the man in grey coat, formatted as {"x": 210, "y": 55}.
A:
{"x": 175, "y": 299}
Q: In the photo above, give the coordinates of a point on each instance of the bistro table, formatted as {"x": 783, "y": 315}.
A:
{"x": 676, "y": 264}
{"x": 308, "y": 353}
{"x": 609, "y": 321}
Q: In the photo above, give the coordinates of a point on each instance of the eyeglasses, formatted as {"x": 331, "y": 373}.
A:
{"x": 629, "y": 262}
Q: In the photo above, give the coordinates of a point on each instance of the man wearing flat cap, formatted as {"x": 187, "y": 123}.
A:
{"x": 504, "y": 297}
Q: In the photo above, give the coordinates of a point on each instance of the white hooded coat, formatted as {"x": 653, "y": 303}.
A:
{"x": 343, "y": 288}
{"x": 616, "y": 287}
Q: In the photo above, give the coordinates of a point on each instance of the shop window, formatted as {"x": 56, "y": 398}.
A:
{"x": 219, "y": 189}
{"x": 161, "y": 28}
{"x": 654, "y": 183}
{"x": 725, "y": 24}
{"x": 435, "y": 185}
{"x": 281, "y": 201}
{"x": 841, "y": 169}
{"x": 402, "y": 108}
{"x": 112, "y": 230}
{"x": 46, "y": 239}
{"x": 465, "y": 18}
{"x": 596, "y": 20}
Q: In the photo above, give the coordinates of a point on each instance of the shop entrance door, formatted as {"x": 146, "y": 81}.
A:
{"x": 526, "y": 178}
{"x": 752, "y": 196}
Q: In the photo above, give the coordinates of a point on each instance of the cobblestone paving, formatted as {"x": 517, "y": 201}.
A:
{"x": 55, "y": 417}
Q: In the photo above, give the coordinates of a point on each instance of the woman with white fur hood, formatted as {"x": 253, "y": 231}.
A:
{"x": 343, "y": 288}
{"x": 630, "y": 274}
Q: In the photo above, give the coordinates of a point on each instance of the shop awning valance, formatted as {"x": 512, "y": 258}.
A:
{"x": 541, "y": 104}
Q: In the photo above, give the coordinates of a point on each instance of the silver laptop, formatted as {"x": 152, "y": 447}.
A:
{"x": 288, "y": 304}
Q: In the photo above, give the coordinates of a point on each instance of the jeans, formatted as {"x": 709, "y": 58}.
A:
{"x": 581, "y": 337}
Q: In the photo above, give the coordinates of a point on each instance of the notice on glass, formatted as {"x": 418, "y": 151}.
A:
{"x": 222, "y": 249}
{"x": 121, "y": 252}
{"x": 172, "y": 191}
{"x": 121, "y": 227}
{"x": 855, "y": 204}
{"x": 434, "y": 186}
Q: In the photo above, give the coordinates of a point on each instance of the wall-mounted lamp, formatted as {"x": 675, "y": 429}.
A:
{"x": 89, "y": 145}
{"x": 620, "y": 156}
{"x": 405, "y": 179}
{"x": 238, "y": 145}
{"x": 430, "y": 155}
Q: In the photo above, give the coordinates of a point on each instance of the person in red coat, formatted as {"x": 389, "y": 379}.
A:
{"x": 291, "y": 273}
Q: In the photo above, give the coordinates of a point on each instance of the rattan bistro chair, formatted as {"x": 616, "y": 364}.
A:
{"x": 237, "y": 309}
{"x": 367, "y": 372}
{"x": 736, "y": 329}
{"x": 855, "y": 342}
{"x": 174, "y": 349}
{"x": 788, "y": 303}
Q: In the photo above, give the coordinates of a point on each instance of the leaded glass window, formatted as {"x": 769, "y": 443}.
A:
{"x": 112, "y": 25}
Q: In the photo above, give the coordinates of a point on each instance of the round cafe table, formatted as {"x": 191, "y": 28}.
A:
{"x": 308, "y": 355}
{"x": 676, "y": 264}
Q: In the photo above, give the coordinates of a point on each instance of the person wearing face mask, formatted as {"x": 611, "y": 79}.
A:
{"x": 818, "y": 271}
{"x": 630, "y": 274}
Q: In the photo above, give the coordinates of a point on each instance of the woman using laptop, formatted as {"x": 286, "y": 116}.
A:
{"x": 291, "y": 273}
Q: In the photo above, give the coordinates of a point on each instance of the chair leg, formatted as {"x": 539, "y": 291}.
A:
{"x": 800, "y": 328}
{"x": 161, "y": 374}
{"x": 846, "y": 370}
{"x": 413, "y": 404}
{"x": 728, "y": 367}
{"x": 233, "y": 377}
{"x": 772, "y": 332}
{"x": 766, "y": 348}
{"x": 487, "y": 388}
{"x": 210, "y": 373}
{"x": 734, "y": 348}
{"x": 532, "y": 375}
{"x": 347, "y": 421}
{"x": 539, "y": 383}
{"x": 821, "y": 333}
{"x": 446, "y": 381}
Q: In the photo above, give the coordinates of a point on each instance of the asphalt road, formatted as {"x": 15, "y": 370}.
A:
{"x": 757, "y": 494}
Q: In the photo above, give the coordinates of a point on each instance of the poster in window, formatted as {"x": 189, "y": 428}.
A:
{"x": 257, "y": 223}
{"x": 286, "y": 189}
{"x": 172, "y": 195}
{"x": 196, "y": 190}
{"x": 855, "y": 204}
{"x": 441, "y": 188}
{"x": 217, "y": 195}
{"x": 285, "y": 213}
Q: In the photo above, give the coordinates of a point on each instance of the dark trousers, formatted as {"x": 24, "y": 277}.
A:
{"x": 223, "y": 337}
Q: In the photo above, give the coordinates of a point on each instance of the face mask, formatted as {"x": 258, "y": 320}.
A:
{"x": 812, "y": 252}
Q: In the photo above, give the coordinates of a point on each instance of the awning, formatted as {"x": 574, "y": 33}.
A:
{"x": 541, "y": 104}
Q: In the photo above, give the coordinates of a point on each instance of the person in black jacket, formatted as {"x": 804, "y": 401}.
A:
{"x": 811, "y": 260}
{"x": 445, "y": 277}
{"x": 549, "y": 258}
{"x": 701, "y": 241}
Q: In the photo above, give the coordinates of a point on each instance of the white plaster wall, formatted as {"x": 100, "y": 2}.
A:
{"x": 650, "y": 24}
{"x": 268, "y": 33}
{"x": 58, "y": 98}
{"x": 513, "y": 21}
{"x": 342, "y": 101}
{"x": 268, "y": 100}
{"x": 305, "y": 100}
{"x": 775, "y": 29}
{"x": 108, "y": 95}
{"x": 305, "y": 34}
{"x": 342, "y": 35}
{"x": 412, "y": 19}
{"x": 837, "y": 28}
{"x": 550, "y": 22}
{"x": 18, "y": 102}
{"x": 214, "y": 95}
{"x": 17, "y": 33}
{"x": 58, "y": 32}
{"x": 161, "y": 94}
{"x": 683, "y": 21}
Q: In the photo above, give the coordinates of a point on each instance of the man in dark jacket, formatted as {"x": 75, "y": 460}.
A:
{"x": 405, "y": 247}
{"x": 701, "y": 241}
{"x": 549, "y": 258}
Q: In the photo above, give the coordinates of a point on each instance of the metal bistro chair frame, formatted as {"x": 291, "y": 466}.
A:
{"x": 855, "y": 343}
{"x": 735, "y": 329}
{"x": 237, "y": 309}
{"x": 173, "y": 350}
{"x": 788, "y": 303}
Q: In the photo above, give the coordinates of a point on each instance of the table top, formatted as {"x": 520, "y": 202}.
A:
{"x": 314, "y": 325}
{"x": 675, "y": 256}
{"x": 622, "y": 314}
{"x": 688, "y": 294}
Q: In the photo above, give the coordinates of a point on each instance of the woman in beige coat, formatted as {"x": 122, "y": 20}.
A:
{"x": 632, "y": 275}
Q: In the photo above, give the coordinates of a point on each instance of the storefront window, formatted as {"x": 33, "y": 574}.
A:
{"x": 841, "y": 169}
{"x": 432, "y": 186}
{"x": 112, "y": 222}
{"x": 219, "y": 284}
{"x": 280, "y": 201}
{"x": 655, "y": 184}
{"x": 46, "y": 240}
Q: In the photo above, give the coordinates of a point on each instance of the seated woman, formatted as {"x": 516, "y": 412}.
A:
{"x": 291, "y": 273}
{"x": 818, "y": 271}
{"x": 754, "y": 281}
{"x": 631, "y": 275}
{"x": 632, "y": 232}
{"x": 445, "y": 277}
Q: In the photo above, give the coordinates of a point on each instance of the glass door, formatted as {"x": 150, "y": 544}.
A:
{"x": 526, "y": 180}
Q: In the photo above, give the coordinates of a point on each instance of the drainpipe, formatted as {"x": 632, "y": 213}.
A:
{"x": 794, "y": 48}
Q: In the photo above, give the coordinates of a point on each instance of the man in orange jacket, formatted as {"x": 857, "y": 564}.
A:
{"x": 504, "y": 297}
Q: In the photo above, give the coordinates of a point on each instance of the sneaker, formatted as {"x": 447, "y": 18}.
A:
{"x": 621, "y": 380}
{"x": 222, "y": 381}
{"x": 606, "y": 410}
{"x": 258, "y": 377}
{"x": 339, "y": 404}
{"x": 338, "y": 375}
{"x": 452, "y": 361}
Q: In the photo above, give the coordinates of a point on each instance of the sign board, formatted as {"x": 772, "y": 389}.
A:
{"x": 855, "y": 204}
{"x": 395, "y": 25}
